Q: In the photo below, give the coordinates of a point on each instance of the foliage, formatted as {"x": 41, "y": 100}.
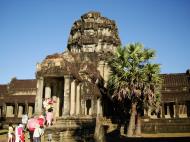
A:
{"x": 134, "y": 77}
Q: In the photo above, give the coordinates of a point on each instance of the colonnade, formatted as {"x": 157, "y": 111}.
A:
{"x": 16, "y": 109}
{"x": 174, "y": 110}
{"x": 67, "y": 93}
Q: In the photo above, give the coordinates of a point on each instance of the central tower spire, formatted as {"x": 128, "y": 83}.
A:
{"x": 93, "y": 33}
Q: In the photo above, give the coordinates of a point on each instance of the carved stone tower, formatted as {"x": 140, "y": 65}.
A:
{"x": 93, "y": 33}
{"x": 76, "y": 79}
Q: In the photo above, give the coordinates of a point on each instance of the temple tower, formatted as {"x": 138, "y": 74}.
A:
{"x": 75, "y": 78}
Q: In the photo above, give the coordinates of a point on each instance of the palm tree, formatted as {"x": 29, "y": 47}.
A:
{"x": 135, "y": 78}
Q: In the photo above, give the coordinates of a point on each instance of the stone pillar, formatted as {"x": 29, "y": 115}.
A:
{"x": 85, "y": 108}
{"x": 67, "y": 87}
{"x": 99, "y": 107}
{"x": 82, "y": 100}
{"x": 48, "y": 91}
{"x": 58, "y": 110}
{"x": 20, "y": 110}
{"x": 73, "y": 98}
{"x": 4, "y": 109}
{"x": 39, "y": 95}
{"x": 78, "y": 100}
{"x": 163, "y": 111}
{"x": 26, "y": 108}
{"x": 168, "y": 111}
{"x": 92, "y": 106}
{"x": 54, "y": 97}
{"x": 16, "y": 109}
{"x": 176, "y": 110}
{"x": 30, "y": 110}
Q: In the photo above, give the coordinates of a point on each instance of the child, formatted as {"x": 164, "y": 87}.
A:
{"x": 10, "y": 133}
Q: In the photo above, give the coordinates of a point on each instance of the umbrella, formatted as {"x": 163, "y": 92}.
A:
{"x": 32, "y": 122}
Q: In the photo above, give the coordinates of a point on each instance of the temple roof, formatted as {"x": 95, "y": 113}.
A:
{"x": 176, "y": 80}
{"x": 17, "y": 85}
{"x": 22, "y": 84}
{"x": 175, "y": 86}
{"x": 3, "y": 89}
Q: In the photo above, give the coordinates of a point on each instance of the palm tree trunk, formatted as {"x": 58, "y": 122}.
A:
{"x": 138, "y": 125}
{"x": 131, "y": 127}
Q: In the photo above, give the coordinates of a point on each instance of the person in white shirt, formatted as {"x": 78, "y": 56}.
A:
{"x": 37, "y": 134}
{"x": 24, "y": 120}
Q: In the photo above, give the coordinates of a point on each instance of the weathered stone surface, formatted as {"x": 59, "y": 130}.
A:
{"x": 72, "y": 129}
{"x": 93, "y": 29}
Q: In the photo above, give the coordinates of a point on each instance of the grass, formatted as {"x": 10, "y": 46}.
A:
{"x": 3, "y": 131}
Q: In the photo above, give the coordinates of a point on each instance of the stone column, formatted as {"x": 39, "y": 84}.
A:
{"x": 16, "y": 109}
{"x": 48, "y": 91}
{"x": 99, "y": 107}
{"x": 4, "y": 109}
{"x": 168, "y": 111}
{"x": 67, "y": 87}
{"x": 26, "y": 108}
{"x": 85, "y": 108}
{"x": 92, "y": 106}
{"x": 30, "y": 110}
{"x": 177, "y": 110}
{"x": 20, "y": 110}
{"x": 39, "y": 95}
{"x": 73, "y": 98}
{"x": 59, "y": 85}
{"x": 54, "y": 97}
{"x": 82, "y": 100}
{"x": 163, "y": 111}
{"x": 78, "y": 100}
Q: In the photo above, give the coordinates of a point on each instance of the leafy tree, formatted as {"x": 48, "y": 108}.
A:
{"x": 136, "y": 79}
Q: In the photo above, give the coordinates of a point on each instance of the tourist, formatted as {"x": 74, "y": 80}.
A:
{"x": 41, "y": 120}
{"x": 32, "y": 122}
{"x": 22, "y": 137}
{"x": 45, "y": 103}
{"x": 18, "y": 133}
{"x": 49, "y": 117}
{"x": 24, "y": 120}
{"x": 10, "y": 133}
{"x": 37, "y": 133}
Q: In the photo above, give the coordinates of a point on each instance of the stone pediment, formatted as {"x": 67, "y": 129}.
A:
{"x": 82, "y": 66}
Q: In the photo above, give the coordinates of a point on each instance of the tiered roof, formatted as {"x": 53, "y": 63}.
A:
{"x": 175, "y": 87}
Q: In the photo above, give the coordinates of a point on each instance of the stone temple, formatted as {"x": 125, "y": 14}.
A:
{"x": 77, "y": 80}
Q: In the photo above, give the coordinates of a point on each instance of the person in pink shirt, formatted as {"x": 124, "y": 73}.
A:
{"x": 32, "y": 122}
{"x": 49, "y": 118}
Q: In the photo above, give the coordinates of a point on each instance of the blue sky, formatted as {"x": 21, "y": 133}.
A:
{"x": 32, "y": 29}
